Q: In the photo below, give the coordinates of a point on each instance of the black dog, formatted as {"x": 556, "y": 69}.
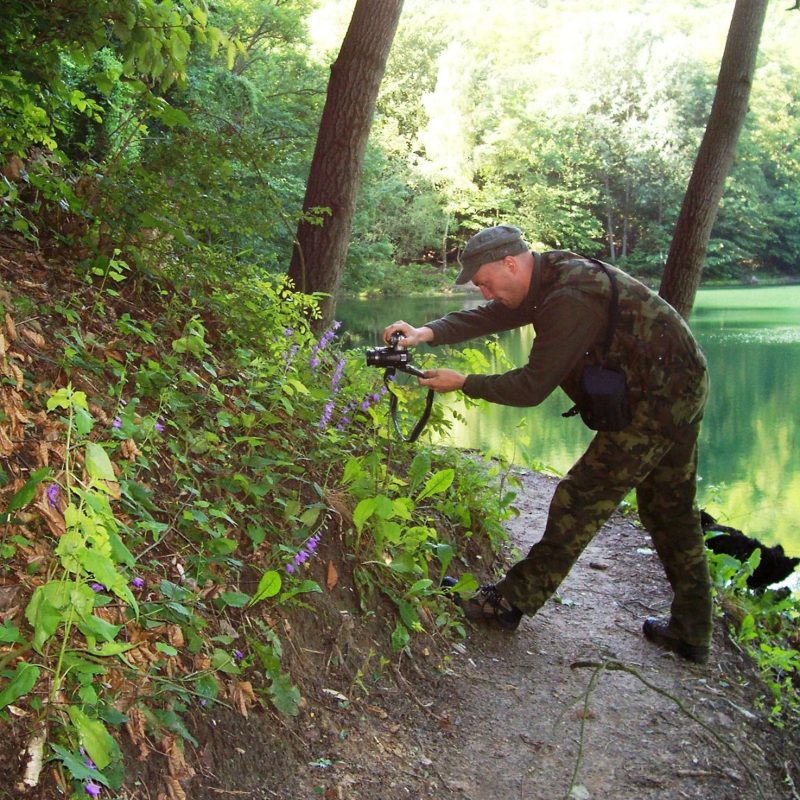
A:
{"x": 775, "y": 565}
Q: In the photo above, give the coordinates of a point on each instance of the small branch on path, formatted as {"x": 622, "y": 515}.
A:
{"x": 612, "y": 665}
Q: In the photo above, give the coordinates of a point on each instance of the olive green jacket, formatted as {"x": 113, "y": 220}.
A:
{"x": 567, "y": 305}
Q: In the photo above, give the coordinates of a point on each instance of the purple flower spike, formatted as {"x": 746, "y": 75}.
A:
{"x": 53, "y": 490}
{"x": 93, "y": 789}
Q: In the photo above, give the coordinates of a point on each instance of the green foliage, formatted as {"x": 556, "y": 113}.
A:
{"x": 765, "y": 625}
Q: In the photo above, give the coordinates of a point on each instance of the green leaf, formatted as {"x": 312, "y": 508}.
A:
{"x": 420, "y": 587}
{"x": 466, "y": 584}
{"x": 235, "y": 599}
{"x": 304, "y": 587}
{"x": 9, "y": 634}
{"x": 84, "y": 421}
{"x": 223, "y": 661}
{"x": 112, "y": 649}
{"x": 285, "y": 695}
{"x": 90, "y": 625}
{"x": 418, "y": 469}
{"x": 438, "y": 483}
{"x": 400, "y": 637}
{"x": 268, "y": 586}
{"x": 166, "y": 649}
{"x": 44, "y": 617}
{"x": 93, "y": 736}
{"x": 26, "y": 493}
{"x": 78, "y": 769}
{"x": 98, "y": 464}
{"x": 22, "y": 681}
{"x": 363, "y": 511}
{"x": 104, "y": 571}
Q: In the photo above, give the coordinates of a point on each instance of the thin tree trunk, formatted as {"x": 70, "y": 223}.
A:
{"x": 714, "y": 158}
{"x": 320, "y": 249}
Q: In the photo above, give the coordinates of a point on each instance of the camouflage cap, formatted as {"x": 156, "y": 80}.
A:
{"x": 490, "y": 244}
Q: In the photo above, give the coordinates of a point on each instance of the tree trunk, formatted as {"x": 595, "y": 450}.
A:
{"x": 320, "y": 249}
{"x": 714, "y": 158}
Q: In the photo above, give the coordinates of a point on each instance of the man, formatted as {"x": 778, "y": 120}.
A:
{"x": 567, "y": 300}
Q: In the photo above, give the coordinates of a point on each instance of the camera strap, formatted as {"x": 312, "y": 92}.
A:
{"x": 423, "y": 420}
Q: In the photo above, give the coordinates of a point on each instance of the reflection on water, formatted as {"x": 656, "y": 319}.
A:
{"x": 749, "y": 465}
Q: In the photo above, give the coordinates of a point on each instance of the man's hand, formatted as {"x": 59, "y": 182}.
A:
{"x": 442, "y": 380}
{"x": 411, "y": 335}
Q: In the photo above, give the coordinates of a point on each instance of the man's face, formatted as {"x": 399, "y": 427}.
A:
{"x": 503, "y": 281}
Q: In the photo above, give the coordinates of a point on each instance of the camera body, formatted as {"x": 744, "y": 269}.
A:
{"x": 392, "y": 356}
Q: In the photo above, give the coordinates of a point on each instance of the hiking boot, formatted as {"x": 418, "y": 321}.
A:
{"x": 659, "y": 631}
{"x": 488, "y": 605}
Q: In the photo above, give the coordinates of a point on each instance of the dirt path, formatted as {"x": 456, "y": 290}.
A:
{"x": 524, "y": 723}
{"x": 515, "y": 716}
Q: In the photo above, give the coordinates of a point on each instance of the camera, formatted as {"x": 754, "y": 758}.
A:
{"x": 391, "y": 356}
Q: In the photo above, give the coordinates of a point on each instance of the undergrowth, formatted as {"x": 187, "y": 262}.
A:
{"x": 173, "y": 466}
{"x": 764, "y": 624}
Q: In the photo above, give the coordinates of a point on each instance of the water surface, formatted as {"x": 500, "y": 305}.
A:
{"x": 749, "y": 466}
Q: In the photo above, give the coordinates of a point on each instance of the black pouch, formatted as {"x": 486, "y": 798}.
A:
{"x": 604, "y": 406}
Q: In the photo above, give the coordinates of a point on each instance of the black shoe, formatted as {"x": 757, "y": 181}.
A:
{"x": 660, "y": 632}
{"x": 488, "y": 605}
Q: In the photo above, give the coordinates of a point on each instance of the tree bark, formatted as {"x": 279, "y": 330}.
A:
{"x": 320, "y": 249}
{"x": 714, "y": 158}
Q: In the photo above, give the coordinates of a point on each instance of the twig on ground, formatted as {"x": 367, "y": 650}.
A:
{"x": 613, "y": 665}
{"x": 407, "y": 687}
{"x": 579, "y": 758}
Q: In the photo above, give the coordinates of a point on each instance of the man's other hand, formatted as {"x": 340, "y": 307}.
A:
{"x": 443, "y": 380}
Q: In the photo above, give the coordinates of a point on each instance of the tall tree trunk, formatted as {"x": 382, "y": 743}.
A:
{"x": 320, "y": 249}
{"x": 714, "y": 158}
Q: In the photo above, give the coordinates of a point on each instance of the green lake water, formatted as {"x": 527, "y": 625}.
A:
{"x": 749, "y": 464}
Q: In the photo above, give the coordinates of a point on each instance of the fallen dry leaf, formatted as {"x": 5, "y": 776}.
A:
{"x": 331, "y": 576}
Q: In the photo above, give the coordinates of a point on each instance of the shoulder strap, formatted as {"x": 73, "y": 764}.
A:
{"x": 613, "y": 306}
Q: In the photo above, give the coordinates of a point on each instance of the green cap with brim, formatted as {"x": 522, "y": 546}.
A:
{"x": 490, "y": 244}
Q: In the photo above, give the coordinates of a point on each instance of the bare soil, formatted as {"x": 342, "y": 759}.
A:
{"x": 575, "y": 704}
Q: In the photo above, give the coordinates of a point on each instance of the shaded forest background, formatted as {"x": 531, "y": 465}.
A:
{"x": 188, "y": 144}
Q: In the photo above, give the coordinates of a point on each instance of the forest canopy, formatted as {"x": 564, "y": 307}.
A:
{"x": 183, "y": 131}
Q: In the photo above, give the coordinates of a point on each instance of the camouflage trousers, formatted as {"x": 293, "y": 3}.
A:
{"x": 663, "y": 468}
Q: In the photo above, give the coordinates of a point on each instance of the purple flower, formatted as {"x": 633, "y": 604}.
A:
{"x": 238, "y": 655}
{"x": 326, "y": 414}
{"x": 93, "y": 789}
{"x": 137, "y": 582}
{"x": 88, "y": 761}
{"x": 117, "y": 423}
{"x": 290, "y": 568}
{"x": 53, "y": 490}
{"x": 98, "y": 587}
{"x": 159, "y": 426}
{"x": 288, "y": 331}
{"x": 287, "y": 357}
{"x": 337, "y": 375}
